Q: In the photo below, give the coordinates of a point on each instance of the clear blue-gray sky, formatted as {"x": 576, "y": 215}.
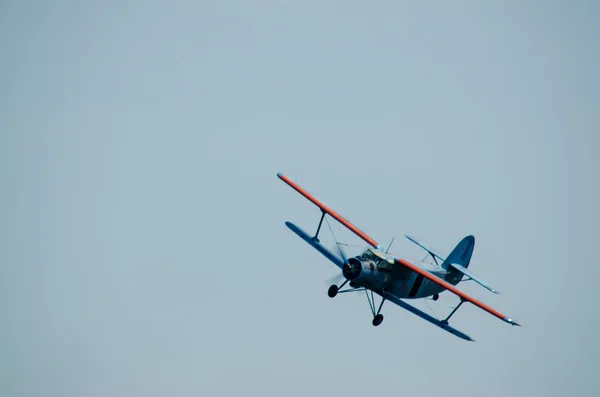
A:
{"x": 143, "y": 250}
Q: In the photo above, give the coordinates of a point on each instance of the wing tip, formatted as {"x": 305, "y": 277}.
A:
{"x": 445, "y": 326}
{"x": 511, "y": 321}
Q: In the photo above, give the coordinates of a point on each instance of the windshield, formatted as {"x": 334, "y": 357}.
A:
{"x": 369, "y": 255}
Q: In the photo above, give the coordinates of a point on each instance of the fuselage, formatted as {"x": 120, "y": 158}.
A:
{"x": 379, "y": 272}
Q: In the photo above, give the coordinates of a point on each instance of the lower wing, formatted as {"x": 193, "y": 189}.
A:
{"x": 339, "y": 262}
{"x": 453, "y": 289}
{"x": 439, "y": 323}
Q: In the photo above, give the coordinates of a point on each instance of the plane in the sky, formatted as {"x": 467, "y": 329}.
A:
{"x": 395, "y": 279}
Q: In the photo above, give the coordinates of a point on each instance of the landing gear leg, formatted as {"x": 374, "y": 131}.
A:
{"x": 377, "y": 316}
{"x": 333, "y": 290}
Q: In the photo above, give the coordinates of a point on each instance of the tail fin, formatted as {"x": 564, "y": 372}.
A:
{"x": 461, "y": 254}
{"x": 457, "y": 262}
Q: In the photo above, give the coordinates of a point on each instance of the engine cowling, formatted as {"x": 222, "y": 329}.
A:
{"x": 362, "y": 271}
{"x": 359, "y": 269}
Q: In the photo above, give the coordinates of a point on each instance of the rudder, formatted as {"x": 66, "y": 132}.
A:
{"x": 461, "y": 254}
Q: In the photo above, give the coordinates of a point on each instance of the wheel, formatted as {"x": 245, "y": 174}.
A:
{"x": 436, "y": 297}
{"x": 332, "y": 291}
{"x": 377, "y": 320}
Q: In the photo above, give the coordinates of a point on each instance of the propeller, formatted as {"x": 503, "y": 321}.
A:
{"x": 342, "y": 252}
{"x": 337, "y": 279}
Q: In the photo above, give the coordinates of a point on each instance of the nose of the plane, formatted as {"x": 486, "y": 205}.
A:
{"x": 352, "y": 268}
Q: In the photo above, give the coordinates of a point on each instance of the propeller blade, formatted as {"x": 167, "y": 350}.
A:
{"x": 337, "y": 279}
{"x": 342, "y": 252}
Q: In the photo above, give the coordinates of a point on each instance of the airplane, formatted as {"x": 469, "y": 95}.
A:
{"x": 397, "y": 279}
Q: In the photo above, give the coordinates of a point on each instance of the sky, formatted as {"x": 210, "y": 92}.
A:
{"x": 143, "y": 250}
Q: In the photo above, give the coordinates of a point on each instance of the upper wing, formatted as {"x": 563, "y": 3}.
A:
{"x": 327, "y": 210}
{"x": 453, "y": 289}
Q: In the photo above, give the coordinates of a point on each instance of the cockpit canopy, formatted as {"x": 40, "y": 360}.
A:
{"x": 379, "y": 258}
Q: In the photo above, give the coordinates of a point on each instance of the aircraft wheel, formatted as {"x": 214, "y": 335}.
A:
{"x": 436, "y": 297}
{"x": 377, "y": 320}
{"x": 332, "y": 291}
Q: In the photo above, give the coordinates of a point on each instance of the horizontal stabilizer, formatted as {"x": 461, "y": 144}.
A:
{"x": 431, "y": 251}
{"x": 442, "y": 324}
{"x": 339, "y": 262}
{"x": 467, "y": 273}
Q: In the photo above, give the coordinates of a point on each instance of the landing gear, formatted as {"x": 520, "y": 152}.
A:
{"x": 436, "y": 297}
{"x": 377, "y": 320}
{"x": 377, "y": 316}
{"x": 332, "y": 291}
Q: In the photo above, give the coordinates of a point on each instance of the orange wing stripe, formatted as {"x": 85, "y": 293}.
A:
{"x": 450, "y": 288}
{"x": 329, "y": 211}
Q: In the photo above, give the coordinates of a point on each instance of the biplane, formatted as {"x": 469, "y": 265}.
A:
{"x": 395, "y": 279}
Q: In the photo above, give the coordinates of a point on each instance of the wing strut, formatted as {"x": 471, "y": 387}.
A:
{"x": 453, "y": 311}
{"x": 316, "y": 237}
